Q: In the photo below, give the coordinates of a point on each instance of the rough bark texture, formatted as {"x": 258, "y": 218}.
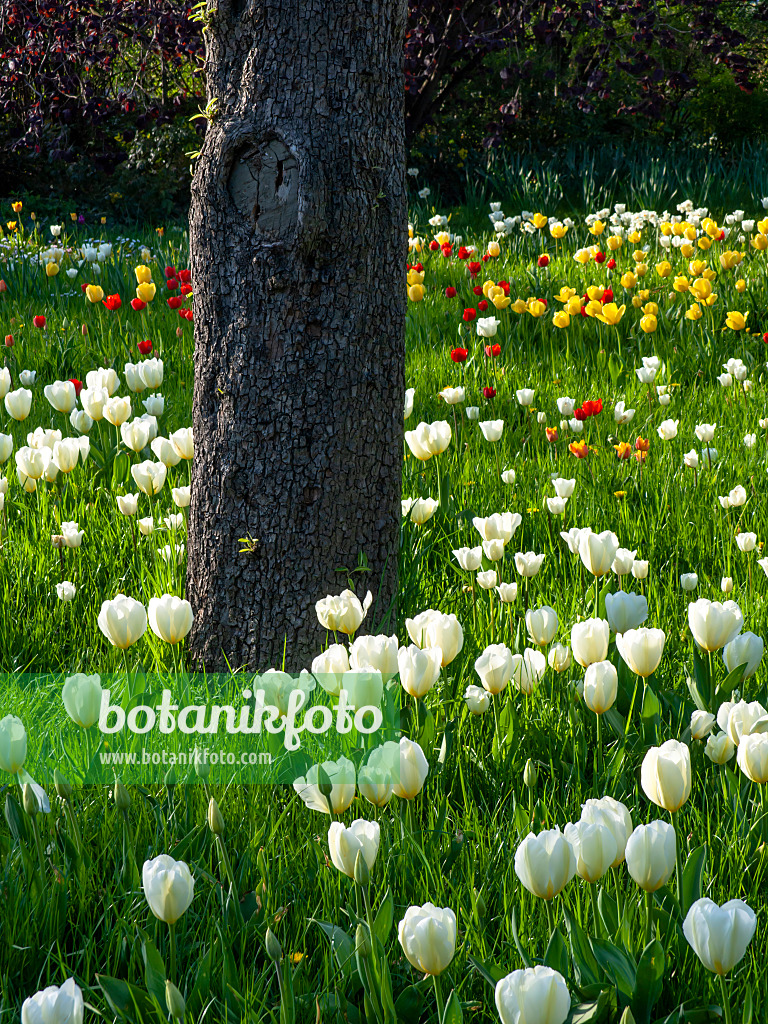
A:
{"x": 298, "y": 232}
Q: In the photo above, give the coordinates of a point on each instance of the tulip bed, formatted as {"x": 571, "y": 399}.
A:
{"x": 579, "y": 827}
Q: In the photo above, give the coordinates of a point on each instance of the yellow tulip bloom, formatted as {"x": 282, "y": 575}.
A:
{"x": 762, "y": 226}
{"x": 415, "y": 277}
{"x": 593, "y": 307}
{"x": 595, "y": 291}
{"x": 539, "y": 220}
{"x": 697, "y": 267}
{"x": 651, "y": 309}
{"x": 611, "y": 314}
{"x": 704, "y": 242}
{"x": 51, "y": 269}
{"x": 415, "y": 292}
{"x": 561, "y": 319}
{"x": 628, "y": 280}
{"x": 694, "y": 313}
{"x": 680, "y": 284}
{"x": 146, "y": 291}
{"x": 582, "y": 256}
{"x": 760, "y": 242}
{"x": 94, "y": 293}
{"x": 501, "y": 301}
{"x": 16, "y": 207}
{"x": 641, "y": 269}
{"x": 519, "y": 306}
{"x": 573, "y": 306}
{"x": 701, "y": 288}
{"x": 687, "y": 250}
{"x": 615, "y": 242}
{"x": 741, "y": 286}
{"x": 664, "y": 269}
{"x": 143, "y": 274}
{"x": 648, "y": 323}
{"x": 442, "y": 238}
{"x": 665, "y": 228}
{"x": 487, "y": 287}
{"x": 634, "y": 237}
{"x": 536, "y": 308}
{"x": 597, "y": 228}
{"x": 565, "y": 293}
{"x": 690, "y": 232}
{"x": 711, "y": 300}
{"x": 557, "y": 229}
{"x": 736, "y": 321}
{"x": 730, "y": 259}
{"x": 494, "y": 249}
{"x": 713, "y": 229}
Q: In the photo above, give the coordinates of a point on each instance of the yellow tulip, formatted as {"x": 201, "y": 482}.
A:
{"x": 539, "y": 220}
{"x": 711, "y": 300}
{"x": 494, "y": 249}
{"x": 558, "y": 230}
{"x": 665, "y": 228}
{"x": 638, "y": 256}
{"x": 415, "y": 277}
{"x": 664, "y": 269}
{"x": 615, "y": 242}
{"x": 641, "y": 269}
{"x": 73, "y": 217}
{"x": 16, "y": 207}
{"x": 637, "y": 301}
{"x": 597, "y": 228}
{"x": 741, "y": 286}
{"x": 708, "y": 275}
{"x": 487, "y": 287}
{"x": 573, "y": 306}
{"x": 582, "y": 256}
{"x": 94, "y": 293}
{"x": 442, "y": 238}
{"x": 501, "y": 301}
{"x": 628, "y": 280}
{"x": 704, "y": 242}
{"x": 690, "y": 232}
{"x": 143, "y": 274}
{"x": 146, "y": 291}
{"x": 687, "y": 250}
{"x": 561, "y": 319}
{"x": 680, "y": 284}
{"x": 648, "y": 323}
{"x": 697, "y": 267}
{"x": 762, "y": 226}
{"x": 593, "y": 307}
{"x": 694, "y": 313}
{"x": 611, "y": 314}
{"x": 736, "y": 321}
{"x": 415, "y": 292}
{"x": 519, "y": 306}
{"x": 410, "y": 230}
{"x": 52, "y": 269}
{"x": 713, "y": 229}
{"x": 634, "y": 237}
{"x": 536, "y": 308}
{"x": 730, "y": 259}
{"x": 701, "y": 288}
{"x": 595, "y": 291}
{"x": 494, "y": 291}
{"x": 565, "y": 293}
{"x": 651, "y": 309}
{"x": 760, "y": 242}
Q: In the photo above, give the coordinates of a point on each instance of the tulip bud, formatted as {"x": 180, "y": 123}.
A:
{"x": 480, "y": 903}
{"x": 530, "y": 774}
{"x": 362, "y": 941}
{"x": 362, "y": 874}
{"x": 84, "y": 330}
{"x": 174, "y": 1001}
{"x": 122, "y": 796}
{"x": 9, "y": 340}
{"x": 63, "y": 788}
{"x": 170, "y": 778}
{"x": 274, "y": 952}
{"x": 215, "y": 819}
{"x": 31, "y": 805}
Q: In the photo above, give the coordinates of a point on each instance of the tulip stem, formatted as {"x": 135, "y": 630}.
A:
{"x": 172, "y": 968}
{"x": 678, "y": 861}
{"x": 550, "y": 919}
{"x": 726, "y": 1001}
{"x": 439, "y": 998}
{"x": 599, "y": 753}
{"x": 39, "y": 848}
{"x": 595, "y": 911}
{"x": 648, "y": 918}
{"x": 617, "y": 887}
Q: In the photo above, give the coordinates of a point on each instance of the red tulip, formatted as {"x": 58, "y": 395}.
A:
{"x": 112, "y": 302}
{"x": 170, "y": 271}
{"x": 493, "y": 350}
{"x": 39, "y": 321}
{"x": 78, "y": 385}
{"x": 543, "y": 260}
{"x": 459, "y": 355}
{"x": 469, "y": 314}
{"x": 599, "y": 257}
{"x": 607, "y": 295}
{"x": 138, "y": 305}
{"x": 9, "y": 340}
{"x": 477, "y": 290}
{"x": 434, "y": 246}
{"x": 171, "y": 284}
{"x": 186, "y": 289}
{"x": 185, "y": 276}
{"x": 551, "y": 434}
{"x": 489, "y": 392}
{"x": 473, "y": 268}
{"x": 3, "y": 285}
{"x": 463, "y": 253}
{"x": 482, "y": 305}
{"x": 579, "y": 414}
{"x": 450, "y": 292}
{"x": 174, "y": 302}
{"x": 145, "y": 347}
{"x": 765, "y": 337}
{"x": 611, "y": 264}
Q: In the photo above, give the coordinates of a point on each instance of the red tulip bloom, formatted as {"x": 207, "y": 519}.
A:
{"x": 482, "y": 305}
{"x": 477, "y": 290}
{"x": 418, "y": 266}
{"x": 611, "y": 264}
{"x": 463, "y": 253}
{"x": 543, "y": 260}
{"x": 138, "y": 305}
{"x": 469, "y": 314}
{"x": 3, "y": 285}
{"x": 171, "y": 284}
{"x": 599, "y": 257}
{"x": 9, "y": 340}
{"x": 607, "y": 295}
{"x": 459, "y": 355}
{"x": 493, "y": 350}
{"x": 112, "y": 302}
{"x": 486, "y": 257}
{"x": 765, "y": 337}
{"x": 551, "y": 434}
{"x": 145, "y": 347}
{"x": 583, "y": 311}
{"x": 83, "y": 287}
{"x": 186, "y": 289}
{"x": 39, "y": 321}
{"x": 474, "y": 268}
{"x": 78, "y": 385}
{"x": 446, "y": 250}
{"x": 504, "y": 285}
{"x": 170, "y": 271}
{"x": 185, "y": 276}
{"x": 434, "y": 246}
{"x": 489, "y": 392}
{"x": 593, "y": 408}
{"x": 174, "y": 302}
{"x": 187, "y": 314}
{"x": 579, "y": 414}
{"x": 450, "y": 292}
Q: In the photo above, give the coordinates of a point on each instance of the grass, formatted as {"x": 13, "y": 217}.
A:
{"x": 85, "y": 914}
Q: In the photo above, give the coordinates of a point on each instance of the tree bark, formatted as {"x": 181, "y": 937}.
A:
{"x": 298, "y": 230}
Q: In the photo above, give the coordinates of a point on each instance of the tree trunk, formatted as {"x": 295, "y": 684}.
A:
{"x": 298, "y": 239}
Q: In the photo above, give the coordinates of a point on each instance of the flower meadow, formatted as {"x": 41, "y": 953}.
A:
{"x": 577, "y": 829}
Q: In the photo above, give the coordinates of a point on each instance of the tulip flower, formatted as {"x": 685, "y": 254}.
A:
{"x": 477, "y": 699}
{"x": 507, "y": 592}
{"x": 589, "y": 641}
{"x": 54, "y": 1005}
{"x": 701, "y": 724}
{"x": 13, "y": 744}
{"x": 487, "y": 327}
{"x": 82, "y": 699}
{"x": 170, "y": 618}
{"x": 341, "y": 775}
{"x": 745, "y": 649}
{"x": 666, "y": 775}
{"x": 542, "y": 625}
{"x": 736, "y": 321}
{"x": 413, "y": 770}
{"x": 624, "y": 610}
{"x": 492, "y": 429}
{"x": 559, "y": 658}
{"x": 149, "y": 476}
{"x": 123, "y": 621}
{"x": 594, "y": 848}
{"x": 428, "y": 439}
{"x": 719, "y": 748}
{"x": 641, "y": 650}
{"x": 500, "y": 526}
{"x": 494, "y": 666}
{"x": 434, "y": 629}
{"x": 611, "y": 313}
{"x": 752, "y": 756}
{"x": 344, "y": 613}
{"x": 528, "y": 669}
{"x": 613, "y": 815}
{"x": 408, "y": 404}
{"x": 427, "y": 935}
{"x": 346, "y": 842}
{"x": 741, "y": 718}
{"x": 168, "y": 887}
{"x": 719, "y": 936}
{"x": 545, "y": 863}
{"x": 714, "y": 625}
{"x": 419, "y": 669}
{"x": 61, "y": 395}
{"x": 600, "y": 686}
{"x": 650, "y": 855}
{"x": 536, "y": 994}
{"x": 528, "y": 563}
{"x": 469, "y": 559}
{"x": 667, "y": 430}
{"x": 597, "y": 551}
{"x": 65, "y": 591}
{"x": 18, "y": 403}
{"x": 689, "y": 581}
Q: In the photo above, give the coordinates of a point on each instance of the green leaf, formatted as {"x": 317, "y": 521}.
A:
{"x": 615, "y": 367}
{"x": 444, "y": 490}
{"x": 609, "y": 914}
{"x": 452, "y": 1013}
{"x": 616, "y": 964}
{"x": 556, "y": 955}
{"x": 488, "y": 971}
{"x": 287, "y": 1001}
{"x": 128, "y": 1002}
{"x": 516, "y": 937}
{"x": 746, "y": 1013}
{"x": 409, "y": 1003}
{"x": 382, "y": 924}
{"x": 692, "y": 875}
{"x": 651, "y": 705}
{"x": 585, "y": 965}
{"x": 154, "y": 971}
{"x": 650, "y": 974}
{"x": 198, "y": 997}
{"x": 342, "y": 946}
{"x": 732, "y": 680}
{"x": 593, "y": 1011}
